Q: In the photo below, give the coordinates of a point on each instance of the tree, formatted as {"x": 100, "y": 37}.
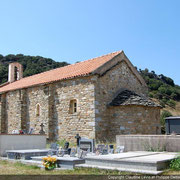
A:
{"x": 164, "y": 115}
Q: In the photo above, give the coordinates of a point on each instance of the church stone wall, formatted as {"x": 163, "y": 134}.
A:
{"x": 133, "y": 120}
{"x": 3, "y": 115}
{"x": 37, "y": 96}
{"x": 118, "y": 78}
{"x": 54, "y": 101}
{"x": 82, "y": 122}
{"x": 13, "y": 110}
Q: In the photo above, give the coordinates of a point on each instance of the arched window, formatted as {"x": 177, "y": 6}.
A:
{"x": 73, "y": 106}
{"x": 37, "y": 110}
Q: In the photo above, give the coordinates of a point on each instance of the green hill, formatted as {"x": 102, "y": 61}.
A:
{"x": 31, "y": 65}
{"x": 162, "y": 88}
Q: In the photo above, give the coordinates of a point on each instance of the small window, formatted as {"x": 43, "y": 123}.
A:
{"x": 37, "y": 110}
{"x": 73, "y": 106}
{"x": 15, "y": 73}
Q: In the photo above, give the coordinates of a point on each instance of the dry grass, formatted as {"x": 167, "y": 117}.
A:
{"x": 174, "y": 111}
{"x": 9, "y": 168}
{"x": 171, "y": 172}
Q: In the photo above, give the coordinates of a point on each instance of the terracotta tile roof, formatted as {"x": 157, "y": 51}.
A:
{"x": 71, "y": 71}
{"x": 127, "y": 97}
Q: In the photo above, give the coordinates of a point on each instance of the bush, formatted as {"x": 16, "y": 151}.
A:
{"x": 175, "y": 164}
{"x": 151, "y": 95}
{"x": 161, "y": 87}
{"x": 164, "y": 114}
{"x": 164, "y": 100}
{"x": 171, "y": 103}
{"x": 162, "y": 104}
{"x": 158, "y": 95}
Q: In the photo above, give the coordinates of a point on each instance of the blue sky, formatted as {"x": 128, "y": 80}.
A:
{"x": 74, "y": 30}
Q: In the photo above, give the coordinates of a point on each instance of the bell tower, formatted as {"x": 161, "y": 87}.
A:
{"x": 15, "y": 72}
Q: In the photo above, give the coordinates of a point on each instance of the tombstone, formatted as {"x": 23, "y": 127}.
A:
{"x": 97, "y": 152}
{"x": 66, "y": 148}
{"x": 100, "y": 148}
{"x": 42, "y": 130}
{"x": 73, "y": 152}
{"x": 31, "y": 131}
{"x": 86, "y": 144}
{"x": 17, "y": 156}
{"x": 25, "y": 131}
{"x": 79, "y": 153}
{"x": 105, "y": 150}
{"x": 21, "y": 132}
{"x": 111, "y": 148}
{"x": 66, "y": 145}
{"x": 78, "y": 139}
{"x": 60, "y": 152}
{"x": 50, "y": 153}
{"x": 120, "y": 149}
{"x": 54, "y": 146}
{"x": 15, "y": 131}
{"x": 84, "y": 153}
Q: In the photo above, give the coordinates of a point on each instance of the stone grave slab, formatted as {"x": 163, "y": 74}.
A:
{"x": 144, "y": 162}
{"x": 64, "y": 162}
{"x": 27, "y": 154}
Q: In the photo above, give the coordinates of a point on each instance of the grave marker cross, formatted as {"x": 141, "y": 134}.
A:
{"x": 42, "y": 130}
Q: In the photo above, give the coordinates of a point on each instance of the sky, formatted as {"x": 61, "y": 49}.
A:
{"x": 75, "y": 30}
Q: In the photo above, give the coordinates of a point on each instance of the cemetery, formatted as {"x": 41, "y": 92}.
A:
{"x": 31, "y": 149}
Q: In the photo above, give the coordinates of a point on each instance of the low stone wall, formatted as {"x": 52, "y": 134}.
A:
{"x": 21, "y": 142}
{"x": 170, "y": 143}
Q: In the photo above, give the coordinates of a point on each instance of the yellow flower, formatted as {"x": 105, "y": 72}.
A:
{"x": 49, "y": 161}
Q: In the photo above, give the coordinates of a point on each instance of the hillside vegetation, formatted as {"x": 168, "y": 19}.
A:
{"x": 162, "y": 88}
{"x": 31, "y": 65}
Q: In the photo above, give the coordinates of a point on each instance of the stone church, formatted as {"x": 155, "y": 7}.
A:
{"x": 97, "y": 98}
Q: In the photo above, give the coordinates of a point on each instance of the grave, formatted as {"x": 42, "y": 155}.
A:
{"x": 42, "y": 130}
{"x": 64, "y": 162}
{"x": 102, "y": 149}
{"x": 73, "y": 152}
{"x": 140, "y": 162}
{"x": 21, "y": 142}
{"x": 111, "y": 148}
{"x": 86, "y": 144}
{"x": 61, "y": 152}
{"x": 27, "y": 154}
{"x": 120, "y": 149}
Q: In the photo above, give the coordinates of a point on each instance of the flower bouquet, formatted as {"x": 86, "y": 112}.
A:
{"x": 49, "y": 162}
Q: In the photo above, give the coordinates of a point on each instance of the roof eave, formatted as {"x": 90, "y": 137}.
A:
{"x": 125, "y": 105}
{"x": 42, "y": 84}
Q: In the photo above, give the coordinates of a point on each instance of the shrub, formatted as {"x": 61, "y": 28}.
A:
{"x": 151, "y": 95}
{"x": 175, "y": 164}
{"x": 164, "y": 114}
{"x": 162, "y": 103}
{"x": 164, "y": 100}
{"x": 159, "y": 147}
{"x": 171, "y": 103}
